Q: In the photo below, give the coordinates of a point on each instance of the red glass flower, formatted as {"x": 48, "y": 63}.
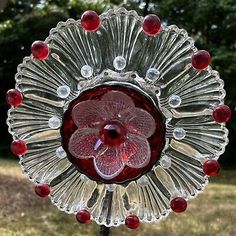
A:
{"x": 112, "y": 131}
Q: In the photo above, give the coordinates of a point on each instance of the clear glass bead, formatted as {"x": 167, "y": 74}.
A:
{"x": 63, "y": 91}
{"x": 60, "y": 153}
{"x": 54, "y": 122}
{"x": 86, "y": 71}
{"x": 165, "y": 162}
{"x": 143, "y": 181}
{"x": 152, "y": 74}
{"x": 174, "y": 100}
{"x": 119, "y": 63}
{"x": 84, "y": 178}
{"x": 111, "y": 187}
{"x": 179, "y": 133}
{"x": 79, "y": 87}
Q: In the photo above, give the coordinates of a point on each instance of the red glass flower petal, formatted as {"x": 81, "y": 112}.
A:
{"x": 40, "y": 50}
{"x": 87, "y": 114}
{"x": 151, "y": 25}
{"x": 211, "y": 167}
{"x": 116, "y": 104}
{"x": 109, "y": 164}
{"x": 42, "y": 190}
{"x": 132, "y": 222}
{"x": 140, "y": 122}
{"x": 83, "y": 142}
{"x": 178, "y": 204}
{"x": 18, "y": 147}
{"x": 14, "y": 97}
{"x": 222, "y": 114}
{"x": 90, "y": 21}
{"x": 135, "y": 151}
{"x": 201, "y": 59}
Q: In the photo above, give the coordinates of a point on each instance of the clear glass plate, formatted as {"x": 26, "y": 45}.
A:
{"x": 197, "y": 138}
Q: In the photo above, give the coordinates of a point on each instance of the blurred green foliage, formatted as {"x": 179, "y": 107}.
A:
{"x": 212, "y": 23}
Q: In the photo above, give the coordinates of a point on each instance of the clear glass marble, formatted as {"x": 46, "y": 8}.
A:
{"x": 152, "y": 74}
{"x": 54, "y": 122}
{"x": 179, "y": 133}
{"x": 63, "y": 91}
{"x": 165, "y": 162}
{"x": 174, "y": 101}
{"x": 86, "y": 71}
{"x": 143, "y": 181}
{"x": 111, "y": 187}
{"x": 119, "y": 63}
{"x": 60, "y": 153}
{"x": 39, "y": 118}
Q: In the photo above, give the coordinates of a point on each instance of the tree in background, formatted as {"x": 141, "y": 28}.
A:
{"x": 211, "y": 22}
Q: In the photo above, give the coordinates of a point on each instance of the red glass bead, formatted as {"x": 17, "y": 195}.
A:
{"x": 151, "y": 25}
{"x": 90, "y": 21}
{"x": 201, "y": 60}
{"x": 156, "y": 141}
{"x": 40, "y": 50}
{"x": 222, "y": 113}
{"x": 14, "y": 97}
{"x": 132, "y": 222}
{"x": 113, "y": 133}
{"x": 18, "y": 147}
{"x": 83, "y": 217}
{"x": 42, "y": 190}
{"x": 178, "y": 204}
{"x": 211, "y": 167}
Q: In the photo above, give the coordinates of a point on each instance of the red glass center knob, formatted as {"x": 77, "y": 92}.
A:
{"x": 113, "y": 133}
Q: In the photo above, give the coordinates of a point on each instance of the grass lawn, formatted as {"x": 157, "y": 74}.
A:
{"x": 212, "y": 213}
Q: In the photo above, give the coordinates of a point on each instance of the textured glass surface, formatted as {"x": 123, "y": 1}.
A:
{"x": 170, "y": 53}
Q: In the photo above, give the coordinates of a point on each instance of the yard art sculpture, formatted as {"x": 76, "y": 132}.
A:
{"x": 118, "y": 118}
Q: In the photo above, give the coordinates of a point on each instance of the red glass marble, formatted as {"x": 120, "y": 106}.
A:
{"x": 151, "y": 25}
{"x": 132, "y": 222}
{"x": 18, "y": 147}
{"x": 83, "y": 217}
{"x": 40, "y": 50}
{"x": 222, "y": 113}
{"x": 14, "y": 97}
{"x": 90, "y": 21}
{"x": 156, "y": 141}
{"x": 42, "y": 190}
{"x": 113, "y": 133}
{"x": 178, "y": 204}
{"x": 201, "y": 60}
{"x": 211, "y": 168}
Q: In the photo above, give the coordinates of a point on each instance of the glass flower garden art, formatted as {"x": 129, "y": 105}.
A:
{"x": 118, "y": 118}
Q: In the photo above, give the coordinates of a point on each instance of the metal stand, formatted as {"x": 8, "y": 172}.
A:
{"x": 145, "y": 10}
{"x": 104, "y": 231}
